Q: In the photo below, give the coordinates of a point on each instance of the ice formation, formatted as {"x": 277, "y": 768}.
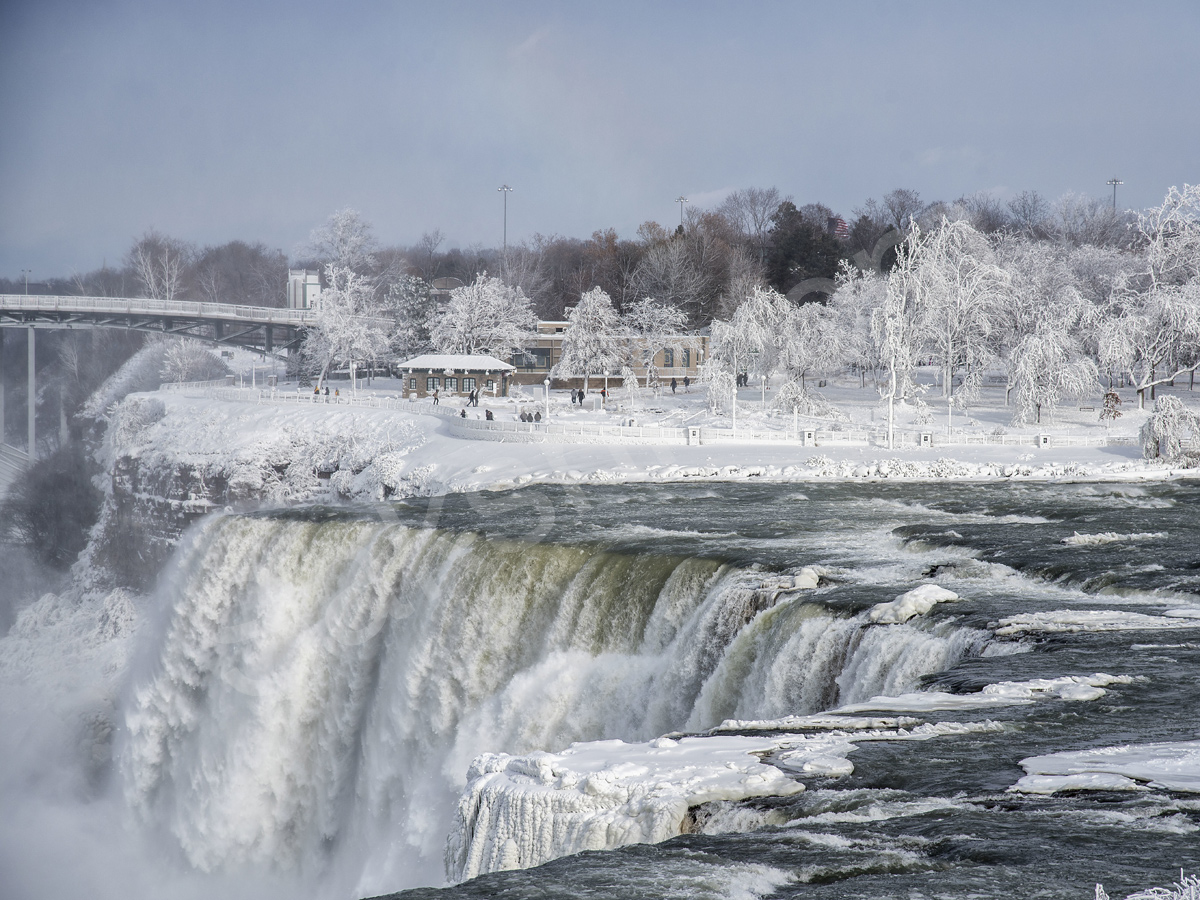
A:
{"x": 916, "y": 602}
{"x": 1172, "y": 766}
{"x": 521, "y": 811}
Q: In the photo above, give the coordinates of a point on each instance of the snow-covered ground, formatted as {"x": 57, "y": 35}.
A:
{"x": 435, "y": 455}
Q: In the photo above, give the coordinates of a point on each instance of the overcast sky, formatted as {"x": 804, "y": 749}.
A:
{"x": 218, "y": 120}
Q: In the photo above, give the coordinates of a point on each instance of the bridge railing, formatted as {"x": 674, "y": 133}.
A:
{"x": 141, "y": 306}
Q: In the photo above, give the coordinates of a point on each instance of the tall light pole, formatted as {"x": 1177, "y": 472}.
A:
{"x": 25, "y": 273}
{"x": 681, "y": 200}
{"x": 1114, "y": 182}
{"x": 505, "y": 190}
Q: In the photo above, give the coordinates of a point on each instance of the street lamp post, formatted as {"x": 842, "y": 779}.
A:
{"x": 1114, "y": 182}
{"x": 505, "y": 190}
{"x": 547, "y": 384}
{"x": 681, "y": 200}
{"x": 25, "y": 274}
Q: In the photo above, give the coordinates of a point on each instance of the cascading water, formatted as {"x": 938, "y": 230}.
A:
{"x": 317, "y": 690}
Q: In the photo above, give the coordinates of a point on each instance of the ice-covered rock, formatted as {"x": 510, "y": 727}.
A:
{"x": 916, "y": 602}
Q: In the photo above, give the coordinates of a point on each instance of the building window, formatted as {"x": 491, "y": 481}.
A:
{"x": 432, "y": 383}
{"x": 687, "y": 358}
{"x": 490, "y": 385}
{"x": 412, "y": 384}
{"x": 668, "y": 359}
{"x": 451, "y": 385}
{"x": 468, "y": 384}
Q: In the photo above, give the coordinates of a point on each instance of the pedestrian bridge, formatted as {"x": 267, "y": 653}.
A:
{"x": 258, "y": 328}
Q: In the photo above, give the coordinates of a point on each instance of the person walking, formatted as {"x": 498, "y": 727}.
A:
{"x": 435, "y": 396}
{"x": 674, "y": 384}
{"x": 687, "y": 384}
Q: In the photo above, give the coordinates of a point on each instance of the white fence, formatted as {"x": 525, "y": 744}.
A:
{"x": 479, "y": 428}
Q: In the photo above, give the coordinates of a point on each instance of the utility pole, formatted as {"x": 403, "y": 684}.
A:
{"x": 25, "y": 273}
{"x": 505, "y": 190}
{"x": 681, "y": 200}
{"x": 1114, "y": 182}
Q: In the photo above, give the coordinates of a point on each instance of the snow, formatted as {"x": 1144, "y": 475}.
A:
{"x": 916, "y": 602}
{"x": 1172, "y": 766}
{"x": 1068, "y": 621}
{"x": 1111, "y": 537}
{"x": 1005, "y": 693}
{"x": 521, "y": 811}
{"x": 455, "y": 362}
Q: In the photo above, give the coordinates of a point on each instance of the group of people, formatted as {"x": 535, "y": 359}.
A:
{"x": 337, "y": 393}
{"x": 526, "y": 417}
{"x": 687, "y": 384}
{"x": 743, "y": 380}
{"x": 577, "y": 395}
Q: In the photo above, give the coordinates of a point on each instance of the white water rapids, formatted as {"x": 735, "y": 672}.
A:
{"x": 314, "y": 692}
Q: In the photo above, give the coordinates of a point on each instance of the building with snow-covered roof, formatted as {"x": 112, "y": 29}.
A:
{"x": 454, "y": 373}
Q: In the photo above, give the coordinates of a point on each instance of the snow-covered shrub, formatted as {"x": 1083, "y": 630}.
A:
{"x": 1112, "y": 406}
{"x": 1169, "y": 425}
{"x": 188, "y": 360}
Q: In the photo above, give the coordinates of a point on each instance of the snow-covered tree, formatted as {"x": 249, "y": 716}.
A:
{"x": 810, "y": 342}
{"x": 957, "y": 286}
{"x": 1156, "y": 338}
{"x": 1170, "y": 234}
{"x": 654, "y": 327}
{"x": 188, "y": 360}
{"x": 1169, "y": 425}
{"x": 410, "y": 305}
{"x": 1046, "y": 366}
{"x": 896, "y": 334}
{"x": 344, "y": 241}
{"x": 592, "y": 341}
{"x": 350, "y": 327}
{"x": 486, "y": 316}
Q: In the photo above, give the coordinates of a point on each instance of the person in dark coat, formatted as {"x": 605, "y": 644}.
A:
{"x": 487, "y": 414}
{"x": 674, "y": 384}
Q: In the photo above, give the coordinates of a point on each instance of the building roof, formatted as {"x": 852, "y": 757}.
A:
{"x": 456, "y": 362}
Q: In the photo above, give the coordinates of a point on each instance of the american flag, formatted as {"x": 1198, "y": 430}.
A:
{"x": 838, "y": 228}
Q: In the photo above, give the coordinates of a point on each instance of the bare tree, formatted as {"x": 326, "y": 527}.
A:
{"x": 750, "y": 211}
{"x": 160, "y": 264}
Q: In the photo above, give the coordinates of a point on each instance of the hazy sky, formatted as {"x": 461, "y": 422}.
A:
{"x": 219, "y": 120}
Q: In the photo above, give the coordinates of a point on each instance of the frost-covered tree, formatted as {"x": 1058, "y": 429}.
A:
{"x": 654, "y": 327}
{"x": 349, "y": 326}
{"x": 1044, "y": 367}
{"x": 1156, "y": 338}
{"x": 592, "y": 341}
{"x": 188, "y": 360}
{"x": 410, "y": 305}
{"x": 486, "y": 316}
{"x": 957, "y": 287}
{"x": 344, "y": 241}
{"x": 854, "y": 301}
{"x": 810, "y": 343}
{"x": 1170, "y": 234}
{"x": 896, "y": 333}
{"x": 1169, "y": 425}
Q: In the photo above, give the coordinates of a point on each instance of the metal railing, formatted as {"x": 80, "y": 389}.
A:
{"x": 265, "y": 315}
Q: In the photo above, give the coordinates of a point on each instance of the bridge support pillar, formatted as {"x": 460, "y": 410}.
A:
{"x": 270, "y": 345}
{"x": 3, "y": 386}
{"x": 32, "y": 413}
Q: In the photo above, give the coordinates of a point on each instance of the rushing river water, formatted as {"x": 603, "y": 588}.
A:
{"x": 322, "y": 678}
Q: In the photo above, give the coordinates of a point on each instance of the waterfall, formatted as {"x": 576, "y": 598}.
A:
{"x": 314, "y": 692}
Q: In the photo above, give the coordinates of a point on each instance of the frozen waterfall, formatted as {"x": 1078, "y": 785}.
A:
{"x": 315, "y": 691}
